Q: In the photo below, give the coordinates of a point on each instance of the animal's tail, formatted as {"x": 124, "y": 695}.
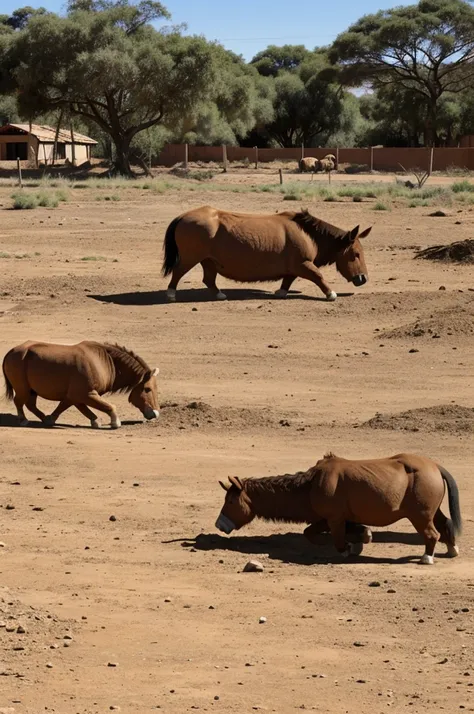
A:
{"x": 8, "y": 385}
{"x": 171, "y": 258}
{"x": 453, "y": 499}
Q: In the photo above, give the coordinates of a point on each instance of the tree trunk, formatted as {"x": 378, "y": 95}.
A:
{"x": 55, "y": 146}
{"x": 122, "y": 156}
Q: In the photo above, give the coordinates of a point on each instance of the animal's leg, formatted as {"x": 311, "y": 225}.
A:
{"x": 286, "y": 284}
{"x": 209, "y": 279}
{"x": 426, "y": 528}
{"x": 19, "y": 403}
{"x": 309, "y": 271}
{"x": 52, "y": 418}
{"x": 358, "y": 533}
{"x": 181, "y": 269}
{"x": 446, "y": 532}
{"x": 315, "y": 529}
{"x": 31, "y": 405}
{"x": 93, "y": 418}
{"x": 94, "y": 400}
{"x": 338, "y": 532}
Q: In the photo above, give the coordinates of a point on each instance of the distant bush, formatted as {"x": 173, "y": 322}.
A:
{"x": 462, "y": 186}
{"x": 24, "y": 201}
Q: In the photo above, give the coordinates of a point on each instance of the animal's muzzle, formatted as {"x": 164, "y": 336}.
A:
{"x": 151, "y": 413}
{"x": 359, "y": 280}
{"x": 224, "y": 524}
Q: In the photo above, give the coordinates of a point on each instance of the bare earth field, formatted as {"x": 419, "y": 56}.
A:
{"x": 151, "y": 611}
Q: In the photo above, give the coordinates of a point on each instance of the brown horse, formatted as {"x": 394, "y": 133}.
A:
{"x": 254, "y": 248}
{"x": 78, "y": 375}
{"x": 309, "y": 163}
{"x": 378, "y": 492}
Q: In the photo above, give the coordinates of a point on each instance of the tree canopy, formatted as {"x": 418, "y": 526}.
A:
{"x": 133, "y": 82}
{"x": 427, "y": 49}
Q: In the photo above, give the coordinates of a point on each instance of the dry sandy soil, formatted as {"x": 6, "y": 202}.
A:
{"x": 152, "y": 612}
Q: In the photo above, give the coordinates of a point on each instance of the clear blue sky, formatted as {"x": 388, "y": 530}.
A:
{"x": 247, "y": 26}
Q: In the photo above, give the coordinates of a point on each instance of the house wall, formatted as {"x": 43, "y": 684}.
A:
{"x": 46, "y": 152}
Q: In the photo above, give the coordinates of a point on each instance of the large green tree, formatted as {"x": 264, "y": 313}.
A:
{"x": 273, "y": 60}
{"x": 427, "y": 49}
{"x": 307, "y": 107}
{"x": 106, "y": 63}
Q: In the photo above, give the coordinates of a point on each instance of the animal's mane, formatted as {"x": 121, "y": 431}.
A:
{"x": 327, "y": 237}
{"x": 281, "y": 498}
{"x": 129, "y": 360}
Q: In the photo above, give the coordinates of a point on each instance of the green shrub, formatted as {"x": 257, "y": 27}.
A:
{"x": 379, "y": 206}
{"x": 462, "y": 186}
{"x": 24, "y": 201}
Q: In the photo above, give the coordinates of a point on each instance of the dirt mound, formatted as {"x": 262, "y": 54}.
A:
{"x": 29, "y": 633}
{"x": 197, "y": 414}
{"x": 451, "y": 322}
{"x": 448, "y": 418}
{"x": 461, "y": 251}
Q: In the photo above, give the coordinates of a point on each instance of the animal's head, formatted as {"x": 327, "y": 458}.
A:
{"x": 145, "y": 395}
{"x": 236, "y": 511}
{"x": 350, "y": 260}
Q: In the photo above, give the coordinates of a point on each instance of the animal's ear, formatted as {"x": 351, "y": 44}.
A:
{"x": 235, "y": 481}
{"x": 365, "y": 233}
{"x": 155, "y": 372}
{"x": 225, "y": 486}
{"x": 353, "y": 234}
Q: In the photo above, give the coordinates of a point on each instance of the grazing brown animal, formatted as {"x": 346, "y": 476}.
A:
{"x": 78, "y": 375}
{"x": 377, "y": 492}
{"x": 309, "y": 163}
{"x": 254, "y": 248}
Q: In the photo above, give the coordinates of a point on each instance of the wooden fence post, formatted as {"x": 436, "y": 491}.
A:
{"x": 224, "y": 157}
{"x": 337, "y": 157}
{"x": 302, "y": 151}
{"x": 256, "y": 156}
{"x": 371, "y": 159}
{"x": 430, "y": 170}
{"x": 20, "y": 180}
{"x": 186, "y": 156}
{"x": 281, "y": 175}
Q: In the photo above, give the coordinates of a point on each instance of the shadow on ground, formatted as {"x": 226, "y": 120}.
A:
{"x": 294, "y": 547}
{"x": 158, "y": 297}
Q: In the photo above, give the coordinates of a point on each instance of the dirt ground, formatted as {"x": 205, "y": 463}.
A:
{"x": 151, "y": 611}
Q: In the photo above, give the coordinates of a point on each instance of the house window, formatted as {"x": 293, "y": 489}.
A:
{"x": 61, "y": 151}
{"x": 17, "y": 150}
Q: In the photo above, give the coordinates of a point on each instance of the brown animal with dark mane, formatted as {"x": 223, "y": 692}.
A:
{"x": 257, "y": 248}
{"x": 377, "y": 492}
{"x": 78, "y": 375}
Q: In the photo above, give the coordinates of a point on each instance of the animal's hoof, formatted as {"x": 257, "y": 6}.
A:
{"x": 356, "y": 548}
{"x": 95, "y": 424}
{"x": 221, "y": 296}
{"x": 453, "y": 551}
{"x": 171, "y": 295}
{"x": 48, "y": 421}
{"x": 331, "y": 296}
{"x": 115, "y": 424}
{"x": 367, "y": 536}
{"x": 427, "y": 560}
{"x": 280, "y": 293}
{"x": 24, "y": 422}
{"x": 346, "y": 553}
